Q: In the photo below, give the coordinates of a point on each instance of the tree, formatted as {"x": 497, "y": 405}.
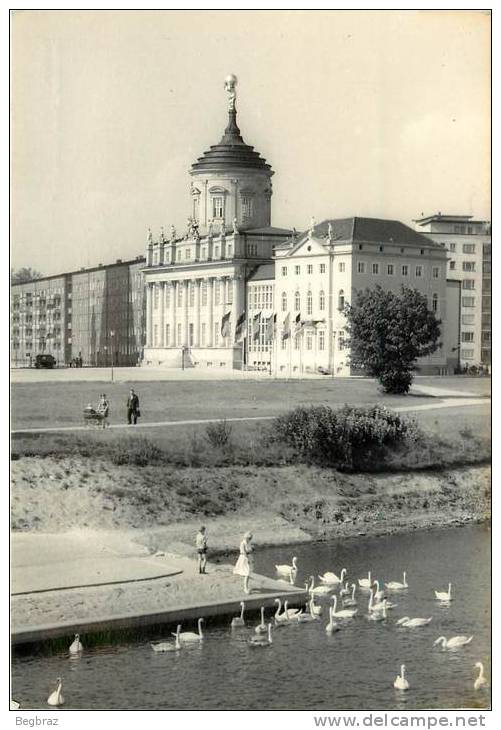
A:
{"x": 388, "y": 332}
{"x": 26, "y": 273}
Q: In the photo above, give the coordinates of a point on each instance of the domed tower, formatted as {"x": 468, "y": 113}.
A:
{"x": 231, "y": 182}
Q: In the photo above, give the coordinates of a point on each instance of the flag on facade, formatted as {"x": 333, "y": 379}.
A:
{"x": 271, "y": 325}
{"x": 286, "y": 328}
{"x": 255, "y": 325}
{"x": 297, "y": 323}
{"x": 225, "y": 325}
{"x": 240, "y": 327}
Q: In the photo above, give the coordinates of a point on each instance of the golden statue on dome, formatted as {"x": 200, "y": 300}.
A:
{"x": 230, "y": 83}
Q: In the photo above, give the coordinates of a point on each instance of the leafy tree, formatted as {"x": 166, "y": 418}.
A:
{"x": 26, "y": 273}
{"x": 388, "y": 332}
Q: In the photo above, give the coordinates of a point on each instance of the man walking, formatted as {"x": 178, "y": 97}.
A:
{"x": 132, "y": 408}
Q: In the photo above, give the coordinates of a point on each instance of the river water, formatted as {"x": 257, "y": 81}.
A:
{"x": 305, "y": 668}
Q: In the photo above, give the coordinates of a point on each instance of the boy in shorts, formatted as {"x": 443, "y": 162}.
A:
{"x": 201, "y": 544}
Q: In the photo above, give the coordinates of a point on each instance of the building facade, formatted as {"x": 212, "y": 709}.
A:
{"x": 96, "y": 315}
{"x": 468, "y": 245}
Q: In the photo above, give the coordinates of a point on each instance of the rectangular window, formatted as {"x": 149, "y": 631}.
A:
{"x": 217, "y": 292}
{"x": 419, "y": 271}
{"x": 179, "y": 334}
{"x": 203, "y": 333}
{"x": 229, "y": 251}
{"x": 468, "y": 284}
{"x": 452, "y": 265}
{"x": 452, "y": 247}
{"x": 468, "y": 319}
{"x": 246, "y": 206}
{"x": 375, "y": 268}
{"x": 297, "y": 340}
{"x": 216, "y": 252}
{"x": 156, "y": 290}
{"x": 297, "y": 270}
{"x": 284, "y": 270}
{"x": 179, "y": 294}
{"x": 217, "y": 207}
{"x": 322, "y": 268}
{"x": 204, "y": 253}
{"x": 468, "y": 248}
{"x": 309, "y": 341}
{"x": 390, "y": 269}
{"x": 466, "y": 336}
{"x": 435, "y": 272}
{"x": 187, "y": 254}
{"x": 405, "y": 270}
{"x": 216, "y": 333}
{"x": 468, "y": 301}
{"x": 321, "y": 340}
{"x": 310, "y": 269}
{"x": 204, "y": 293}
{"x": 466, "y": 354}
{"x": 361, "y": 267}
{"x": 192, "y": 293}
{"x": 468, "y": 265}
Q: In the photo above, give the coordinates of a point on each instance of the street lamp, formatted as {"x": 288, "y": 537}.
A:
{"x": 112, "y": 335}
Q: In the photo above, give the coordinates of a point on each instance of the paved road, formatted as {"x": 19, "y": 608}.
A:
{"x": 449, "y": 403}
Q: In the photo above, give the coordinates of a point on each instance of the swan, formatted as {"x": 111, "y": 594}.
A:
{"x": 345, "y": 612}
{"x": 287, "y": 570}
{"x": 16, "y": 705}
{"x": 480, "y": 680}
{"x": 188, "y": 636}
{"x": 239, "y": 620}
{"x": 261, "y": 640}
{"x": 303, "y": 618}
{"x": 345, "y": 591}
{"x": 412, "y": 623}
{"x": 375, "y": 607}
{"x": 380, "y": 614}
{"x": 394, "y": 585}
{"x": 455, "y": 642}
{"x": 351, "y": 601}
{"x": 332, "y": 625}
{"x": 291, "y": 613}
{"x": 76, "y": 646}
{"x": 401, "y": 682}
{"x": 314, "y": 609}
{"x": 442, "y": 596}
{"x": 332, "y": 578}
{"x": 164, "y": 646}
{"x": 261, "y": 628}
{"x": 291, "y": 580}
{"x": 365, "y": 582}
{"x": 55, "y": 699}
{"x": 378, "y": 594}
{"x": 319, "y": 590}
{"x": 280, "y": 618}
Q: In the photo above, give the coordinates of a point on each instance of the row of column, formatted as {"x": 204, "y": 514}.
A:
{"x": 181, "y": 315}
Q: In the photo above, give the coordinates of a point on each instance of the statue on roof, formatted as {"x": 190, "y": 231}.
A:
{"x": 312, "y": 227}
{"x": 230, "y": 83}
{"x": 235, "y": 227}
{"x": 150, "y": 237}
{"x": 210, "y": 228}
{"x": 162, "y": 235}
{"x": 172, "y": 233}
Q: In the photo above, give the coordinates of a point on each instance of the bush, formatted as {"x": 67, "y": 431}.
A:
{"x": 349, "y": 439}
{"x": 218, "y": 434}
{"x": 396, "y": 381}
{"x": 137, "y": 451}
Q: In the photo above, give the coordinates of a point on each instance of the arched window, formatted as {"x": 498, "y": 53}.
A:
{"x": 309, "y": 303}
{"x": 284, "y": 302}
{"x": 297, "y": 302}
{"x": 340, "y": 300}
{"x": 321, "y": 300}
{"x": 434, "y": 303}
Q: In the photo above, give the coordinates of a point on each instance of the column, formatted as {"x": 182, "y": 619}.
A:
{"x": 185, "y": 318}
{"x": 197, "y": 313}
{"x": 236, "y": 306}
{"x": 210, "y": 309}
{"x": 173, "y": 311}
{"x": 161, "y": 340}
{"x": 224, "y": 281}
{"x": 149, "y": 315}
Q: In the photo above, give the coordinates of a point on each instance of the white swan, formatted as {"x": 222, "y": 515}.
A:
{"x": 261, "y": 640}
{"x": 56, "y": 699}
{"x": 379, "y": 614}
{"x": 314, "y": 609}
{"x": 480, "y": 680}
{"x": 76, "y": 646}
{"x": 287, "y": 570}
{"x": 412, "y": 623}
{"x": 375, "y": 607}
{"x": 394, "y": 585}
{"x": 261, "y": 628}
{"x": 378, "y": 594}
{"x": 291, "y": 580}
{"x": 442, "y": 596}
{"x": 345, "y": 612}
{"x": 332, "y": 625}
{"x": 187, "y": 636}
{"x": 332, "y": 578}
{"x": 239, "y": 620}
{"x": 291, "y": 613}
{"x": 365, "y": 582}
{"x": 303, "y": 618}
{"x": 319, "y": 590}
{"x": 455, "y": 642}
{"x": 345, "y": 591}
{"x": 351, "y": 601}
{"x": 164, "y": 646}
{"x": 280, "y": 618}
{"x": 401, "y": 682}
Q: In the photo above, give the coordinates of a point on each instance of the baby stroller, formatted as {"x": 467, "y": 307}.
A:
{"x": 95, "y": 417}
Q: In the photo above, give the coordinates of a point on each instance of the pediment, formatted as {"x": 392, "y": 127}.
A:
{"x": 217, "y": 189}
{"x": 309, "y": 247}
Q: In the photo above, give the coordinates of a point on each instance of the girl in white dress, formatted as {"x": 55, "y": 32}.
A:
{"x": 244, "y": 564}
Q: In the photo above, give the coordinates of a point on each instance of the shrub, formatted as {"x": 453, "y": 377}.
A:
{"x": 137, "y": 451}
{"x": 396, "y": 381}
{"x": 218, "y": 434}
{"x": 348, "y": 439}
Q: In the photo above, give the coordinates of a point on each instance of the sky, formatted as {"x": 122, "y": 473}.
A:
{"x": 370, "y": 113}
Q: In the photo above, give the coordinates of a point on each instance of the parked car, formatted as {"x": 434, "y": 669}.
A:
{"x": 45, "y": 361}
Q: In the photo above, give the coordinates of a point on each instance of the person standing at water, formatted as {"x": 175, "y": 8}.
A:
{"x": 104, "y": 409}
{"x": 201, "y": 543}
{"x": 244, "y": 564}
{"x": 132, "y": 407}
